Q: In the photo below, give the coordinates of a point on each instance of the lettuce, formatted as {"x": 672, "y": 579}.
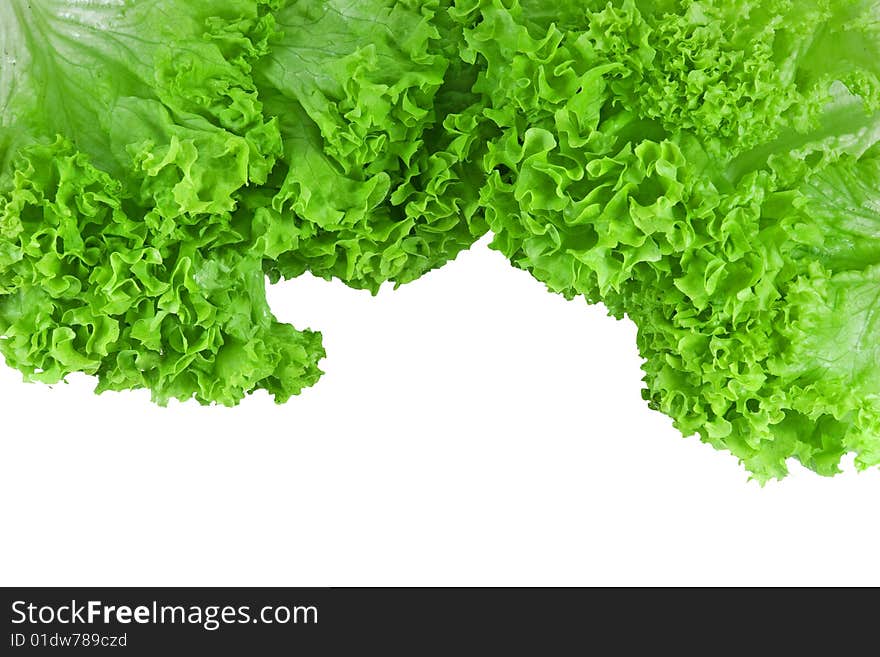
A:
{"x": 708, "y": 168}
{"x": 127, "y": 129}
{"x": 380, "y": 178}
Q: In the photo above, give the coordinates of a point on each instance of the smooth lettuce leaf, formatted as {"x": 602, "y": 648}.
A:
{"x": 146, "y": 90}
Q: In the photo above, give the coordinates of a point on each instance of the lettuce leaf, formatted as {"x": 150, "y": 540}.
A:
{"x": 380, "y": 178}
{"x": 709, "y": 169}
{"x": 127, "y": 130}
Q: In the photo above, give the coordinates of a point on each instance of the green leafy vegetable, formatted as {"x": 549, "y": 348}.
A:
{"x": 380, "y": 176}
{"x": 127, "y": 130}
{"x": 708, "y": 168}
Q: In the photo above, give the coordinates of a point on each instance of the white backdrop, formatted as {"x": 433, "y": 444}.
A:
{"x": 471, "y": 429}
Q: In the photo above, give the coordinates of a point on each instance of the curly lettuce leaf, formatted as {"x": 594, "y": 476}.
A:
{"x": 129, "y": 129}
{"x": 379, "y": 180}
{"x": 708, "y": 170}
{"x": 88, "y": 285}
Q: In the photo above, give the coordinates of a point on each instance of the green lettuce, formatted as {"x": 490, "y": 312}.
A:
{"x": 709, "y": 169}
{"x": 380, "y": 176}
{"x": 127, "y": 130}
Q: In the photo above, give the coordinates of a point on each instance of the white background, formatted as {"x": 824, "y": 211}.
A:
{"x": 471, "y": 429}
